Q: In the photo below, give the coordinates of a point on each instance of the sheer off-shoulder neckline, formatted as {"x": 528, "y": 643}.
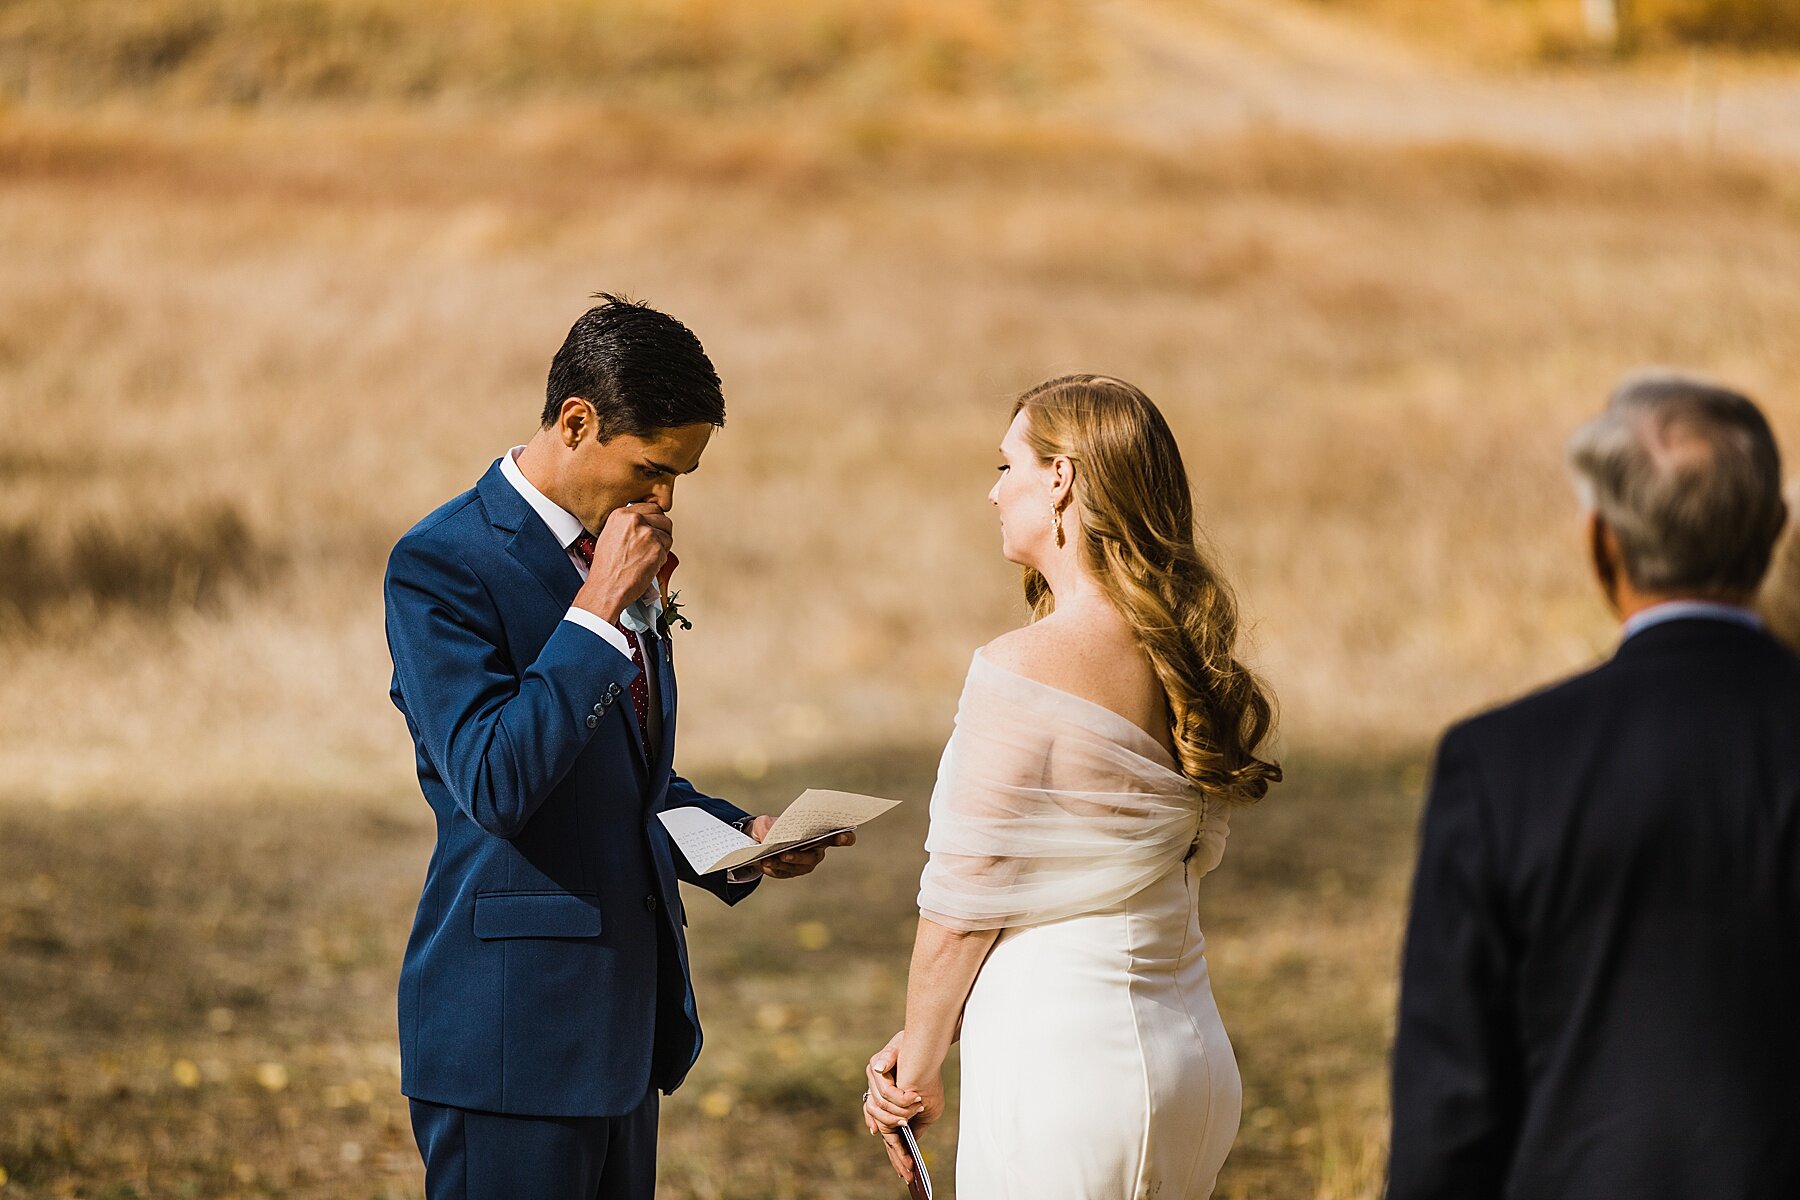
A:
{"x": 1133, "y": 731}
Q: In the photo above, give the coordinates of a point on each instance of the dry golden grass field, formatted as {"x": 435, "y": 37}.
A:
{"x": 250, "y": 331}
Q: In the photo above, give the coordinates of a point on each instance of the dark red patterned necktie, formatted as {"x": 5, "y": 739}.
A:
{"x": 583, "y": 547}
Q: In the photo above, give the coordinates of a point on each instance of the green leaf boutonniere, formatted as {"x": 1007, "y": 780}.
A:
{"x": 670, "y": 616}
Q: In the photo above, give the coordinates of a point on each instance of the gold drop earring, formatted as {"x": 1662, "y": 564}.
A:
{"x": 1056, "y": 524}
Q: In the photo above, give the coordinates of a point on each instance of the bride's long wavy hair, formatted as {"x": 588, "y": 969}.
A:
{"x": 1139, "y": 542}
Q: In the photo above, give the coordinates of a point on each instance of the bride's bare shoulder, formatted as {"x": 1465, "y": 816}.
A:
{"x": 1018, "y": 650}
{"x": 1091, "y": 659}
{"x": 1062, "y": 655}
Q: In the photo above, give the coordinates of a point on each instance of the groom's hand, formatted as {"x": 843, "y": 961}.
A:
{"x": 627, "y": 555}
{"x": 795, "y": 862}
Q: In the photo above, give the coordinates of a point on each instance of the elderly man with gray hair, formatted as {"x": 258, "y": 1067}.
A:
{"x": 1600, "y": 997}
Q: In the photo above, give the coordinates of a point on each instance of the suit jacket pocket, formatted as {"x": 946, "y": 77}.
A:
{"x": 537, "y": 915}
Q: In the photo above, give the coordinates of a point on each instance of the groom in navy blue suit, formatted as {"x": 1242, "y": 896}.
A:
{"x": 545, "y": 999}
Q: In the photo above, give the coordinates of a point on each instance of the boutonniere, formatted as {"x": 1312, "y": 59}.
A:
{"x": 658, "y": 608}
{"x": 670, "y": 615}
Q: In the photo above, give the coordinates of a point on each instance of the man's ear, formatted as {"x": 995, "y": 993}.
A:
{"x": 1603, "y": 552}
{"x": 575, "y": 421}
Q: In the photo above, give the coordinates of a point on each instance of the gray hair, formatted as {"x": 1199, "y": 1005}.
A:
{"x": 1686, "y": 474}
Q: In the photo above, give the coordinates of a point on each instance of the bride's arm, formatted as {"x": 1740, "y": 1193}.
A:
{"x": 990, "y": 780}
{"x": 944, "y": 965}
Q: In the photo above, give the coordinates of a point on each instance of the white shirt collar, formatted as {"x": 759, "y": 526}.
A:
{"x": 564, "y": 525}
{"x": 1676, "y": 610}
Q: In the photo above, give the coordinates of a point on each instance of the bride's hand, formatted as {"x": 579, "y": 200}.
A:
{"x": 930, "y": 1091}
{"x": 886, "y": 1106}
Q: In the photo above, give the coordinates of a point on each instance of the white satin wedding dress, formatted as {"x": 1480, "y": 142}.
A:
{"x": 1094, "y": 1063}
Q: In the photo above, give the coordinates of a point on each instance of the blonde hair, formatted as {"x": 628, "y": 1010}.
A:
{"x": 1139, "y": 542}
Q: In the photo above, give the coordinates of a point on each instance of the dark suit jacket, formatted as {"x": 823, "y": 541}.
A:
{"x": 1601, "y": 990}
{"x": 547, "y": 969}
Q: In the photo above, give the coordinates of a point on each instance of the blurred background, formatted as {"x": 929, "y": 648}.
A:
{"x": 279, "y": 276}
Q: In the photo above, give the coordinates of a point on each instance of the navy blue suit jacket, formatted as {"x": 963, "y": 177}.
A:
{"x": 547, "y": 969}
{"x": 1601, "y": 992}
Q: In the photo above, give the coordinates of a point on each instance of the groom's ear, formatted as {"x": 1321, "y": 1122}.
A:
{"x": 576, "y": 421}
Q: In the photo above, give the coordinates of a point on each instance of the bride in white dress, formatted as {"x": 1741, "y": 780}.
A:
{"x": 1085, "y": 791}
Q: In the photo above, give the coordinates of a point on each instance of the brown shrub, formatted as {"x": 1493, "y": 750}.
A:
{"x": 180, "y": 562}
{"x": 1514, "y": 30}
{"x": 1751, "y": 24}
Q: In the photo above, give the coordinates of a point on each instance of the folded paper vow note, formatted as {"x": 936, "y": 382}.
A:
{"x": 712, "y": 845}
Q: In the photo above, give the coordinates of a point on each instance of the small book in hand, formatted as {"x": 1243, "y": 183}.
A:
{"x": 919, "y": 1186}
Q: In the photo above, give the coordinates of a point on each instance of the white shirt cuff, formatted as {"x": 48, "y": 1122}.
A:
{"x": 604, "y": 628}
{"x": 751, "y": 873}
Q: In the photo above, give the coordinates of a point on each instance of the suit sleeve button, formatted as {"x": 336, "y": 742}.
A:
{"x": 600, "y": 709}
{"x": 592, "y": 721}
{"x": 613, "y": 690}
{"x": 650, "y": 903}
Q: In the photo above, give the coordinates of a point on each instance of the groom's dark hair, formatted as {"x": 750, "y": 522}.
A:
{"x": 641, "y": 369}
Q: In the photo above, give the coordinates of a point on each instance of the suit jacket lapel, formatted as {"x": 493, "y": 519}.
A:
{"x": 663, "y": 663}
{"x": 532, "y": 543}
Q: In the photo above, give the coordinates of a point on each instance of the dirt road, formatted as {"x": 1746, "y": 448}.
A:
{"x": 1179, "y": 67}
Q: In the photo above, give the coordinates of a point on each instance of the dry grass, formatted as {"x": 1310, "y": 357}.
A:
{"x": 690, "y": 52}
{"x": 1511, "y": 31}
{"x": 1489, "y": 31}
{"x": 186, "y": 562}
{"x": 1749, "y": 24}
{"x": 200, "y": 1000}
{"x": 241, "y": 353}
{"x": 325, "y": 327}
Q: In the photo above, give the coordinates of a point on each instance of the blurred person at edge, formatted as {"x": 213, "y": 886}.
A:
{"x": 1601, "y": 978}
{"x": 545, "y": 999}
{"x": 1779, "y": 602}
